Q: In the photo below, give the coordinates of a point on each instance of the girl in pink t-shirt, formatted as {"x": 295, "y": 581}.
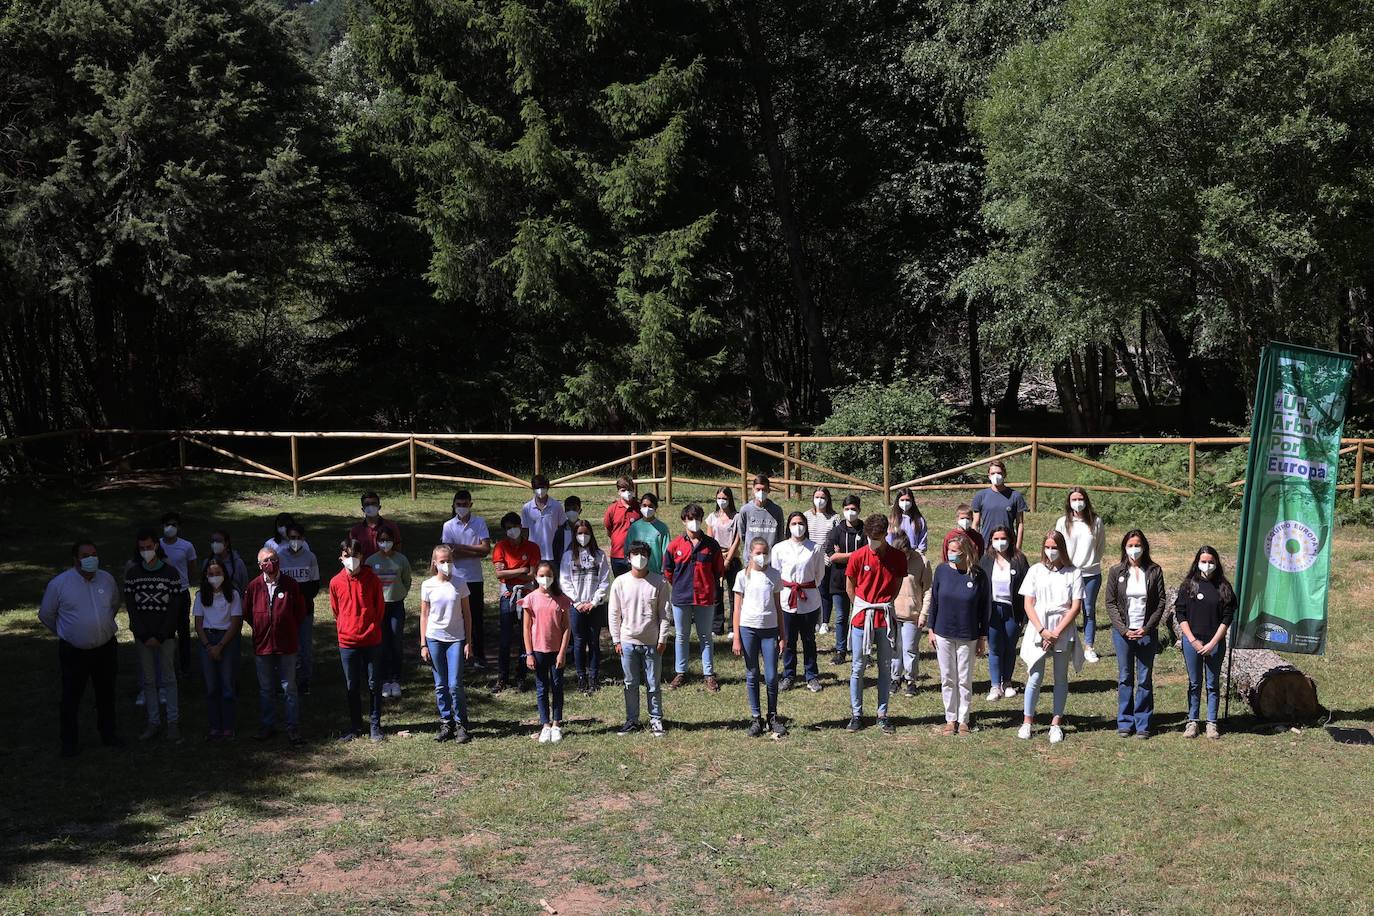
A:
{"x": 546, "y": 647}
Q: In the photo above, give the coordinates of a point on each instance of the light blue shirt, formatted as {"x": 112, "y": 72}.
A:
{"x": 81, "y": 612}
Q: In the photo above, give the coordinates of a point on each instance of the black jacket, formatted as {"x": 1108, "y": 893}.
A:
{"x": 1019, "y": 567}
{"x": 1155, "y": 604}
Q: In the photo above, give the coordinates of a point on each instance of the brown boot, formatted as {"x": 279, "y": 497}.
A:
{"x": 949, "y": 729}
{"x": 677, "y": 682}
{"x": 712, "y": 684}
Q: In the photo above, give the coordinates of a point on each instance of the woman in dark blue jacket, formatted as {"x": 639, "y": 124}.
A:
{"x": 1005, "y": 568}
{"x": 958, "y": 619}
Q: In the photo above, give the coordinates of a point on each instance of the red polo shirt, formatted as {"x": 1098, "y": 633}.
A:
{"x": 369, "y": 535}
{"x": 619, "y": 518}
{"x": 877, "y": 578}
{"x": 973, "y": 535}
{"x": 358, "y": 607}
{"x": 514, "y": 556}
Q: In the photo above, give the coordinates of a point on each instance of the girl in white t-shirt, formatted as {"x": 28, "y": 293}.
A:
{"x": 218, "y": 610}
{"x": 445, "y": 622}
{"x": 1085, "y": 538}
{"x": 758, "y": 615}
{"x": 1053, "y": 589}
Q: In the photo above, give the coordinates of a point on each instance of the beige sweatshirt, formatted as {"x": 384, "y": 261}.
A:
{"x": 639, "y": 609}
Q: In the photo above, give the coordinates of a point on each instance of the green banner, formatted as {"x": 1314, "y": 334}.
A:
{"x": 1284, "y": 560}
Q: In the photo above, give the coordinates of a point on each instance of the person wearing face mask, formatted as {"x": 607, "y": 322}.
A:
{"x": 722, "y": 528}
{"x": 152, "y": 594}
{"x": 820, "y": 519}
{"x": 1204, "y": 607}
{"x": 801, "y": 568}
{"x": 470, "y": 538}
{"x": 222, "y": 550}
{"x": 297, "y": 561}
{"x": 586, "y": 578}
{"x": 693, "y": 564}
{"x": 542, "y": 516}
{"x": 79, "y": 606}
{"x": 370, "y": 530}
{"x": 905, "y": 516}
{"x": 1136, "y": 604}
{"x": 620, "y": 515}
{"x": 1053, "y": 589}
{"x": 760, "y": 518}
{"x": 514, "y": 559}
{"x": 958, "y": 628}
{"x": 651, "y": 530}
{"x": 274, "y": 608}
{"x": 277, "y": 539}
{"x": 180, "y": 554}
{"x": 963, "y": 524}
{"x": 845, "y": 538}
{"x": 1005, "y": 568}
{"x": 639, "y": 617}
{"x": 547, "y": 633}
{"x": 757, "y": 625}
{"x": 393, "y": 569}
{"x": 1086, "y": 538}
{"x": 355, "y": 597}
{"x": 999, "y": 504}
{"x": 873, "y": 577}
{"x": 563, "y": 537}
{"x": 909, "y": 610}
{"x": 445, "y": 621}
{"x": 219, "y": 617}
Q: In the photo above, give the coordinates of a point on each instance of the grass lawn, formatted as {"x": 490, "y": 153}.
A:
{"x": 703, "y": 820}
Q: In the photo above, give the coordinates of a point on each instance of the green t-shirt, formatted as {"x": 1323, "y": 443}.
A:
{"x": 394, "y": 571}
{"x": 654, "y": 533}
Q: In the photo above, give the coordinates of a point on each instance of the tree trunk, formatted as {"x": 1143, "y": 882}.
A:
{"x": 975, "y": 365}
{"x": 1010, "y": 404}
{"x": 1276, "y": 690}
{"x": 1107, "y": 387}
{"x": 1187, "y": 370}
{"x": 1143, "y": 401}
{"x": 1068, "y": 396}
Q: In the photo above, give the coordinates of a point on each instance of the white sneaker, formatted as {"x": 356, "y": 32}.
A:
{"x": 395, "y": 690}
{"x": 730, "y": 636}
{"x": 1090, "y": 656}
{"x": 1024, "y": 732}
{"x": 545, "y": 734}
{"x": 555, "y": 734}
{"x": 1056, "y": 734}
{"x": 822, "y": 630}
{"x": 994, "y": 694}
{"x": 1008, "y": 691}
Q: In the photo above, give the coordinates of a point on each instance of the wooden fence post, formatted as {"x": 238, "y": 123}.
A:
{"x": 634, "y": 462}
{"x": 414, "y": 489}
{"x": 992, "y": 431}
{"x": 668, "y": 470}
{"x": 1035, "y": 476}
{"x": 538, "y": 458}
{"x": 743, "y": 466}
{"x": 1359, "y": 469}
{"x": 1192, "y": 468}
{"x": 295, "y": 469}
{"x": 887, "y": 471}
{"x": 653, "y": 460}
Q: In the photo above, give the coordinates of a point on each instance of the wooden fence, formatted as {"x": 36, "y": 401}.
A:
{"x": 209, "y": 451}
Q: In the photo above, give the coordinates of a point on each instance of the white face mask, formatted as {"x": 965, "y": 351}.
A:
{"x": 760, "y": 560}
{"x": 296, "y": 544}
{"x": 1078, "y": 505}
{"x": 904, "y": 505}
{"x": 693, "y": 525}
{"x": 148, "y": 555}
{"x": 722, "y": 502}
{"x": 1000, "y": 545}
{"x": 997, "y": 479}
{"x": 281, "y": 531}
{"x": 851, "y": 514}
{"x": 90, "y": 564}
{"x": 627, "y": 495}
{"x": 462, "y": 512}
{"x": 760, "y": 496}
{"x": 875, "y": 543}
{"x": 647, "y": 511}
{"x": 1135, "y": 552}
{"x": 544, "y": 581}
{"x": 799, "y": 531}
{"x": 215, "y": 581}
{"x": 170, "y": 531}
{"x": 1207, "y": 569}
{"x": 444, "y": 567}
{"x": 352, "y": 563}
{"x": 818, "y": 502}
{"x": 217, "y": 547}
{"x": 965, "y": 523}
{"x": 540, "y": 492}
{"x": 513, "y": 533}
{"x": 584, "y": 539}
{"x": 955, "y": 556}
{"x": 371, "y": 511}
{"x": 639, "y": 561}
{"x": 572, "y": 516}
{"x": 384, "y": 546}
{"x": 1052, "y": 554}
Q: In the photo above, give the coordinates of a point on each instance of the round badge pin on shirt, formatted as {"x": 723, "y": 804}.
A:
{"x": 970, "y": 584}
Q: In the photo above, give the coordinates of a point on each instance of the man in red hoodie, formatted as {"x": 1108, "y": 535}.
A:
{"x": 274, "y": 608}
{"x": 355, "y": 597}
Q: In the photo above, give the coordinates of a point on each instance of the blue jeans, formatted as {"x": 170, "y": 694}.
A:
{"x": 803, "y": 626}
{"x": 221, "y": 691}
{"x": 906, "y": 657}
{"x": 1061, "y": 682}
{"x": 1135, "y": 692}
{"x": 619, "y": 566}
{"x": 393, "y": 630}
{"x": 274, "y": 671}
{"x": 511, "y": 640}
{"x": 548, "y": 680}
{"x": 1198, "y": 666}
{"x": 755, "y": 643}
{"x": 1091, "y": 586}
{"x": 641, "y": 664}
{"x": 1003, "y": 629}
{"x": 357, "y": 662}
{"x": 882, "y": 645}
{"x": 446, "y": 659}
{"x": 702, "y": 615}
{"x": 586, "y": 641}
{"x": 840, "y": 606}
{"x": 305, "y": 650}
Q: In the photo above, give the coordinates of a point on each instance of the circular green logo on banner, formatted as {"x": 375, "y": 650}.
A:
{"x": 1291, "y": 546}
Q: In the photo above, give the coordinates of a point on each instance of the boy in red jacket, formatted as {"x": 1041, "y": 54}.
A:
{"x": 355, "y": 597}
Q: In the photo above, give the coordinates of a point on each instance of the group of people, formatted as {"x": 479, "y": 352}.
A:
{"x": 770, "y": 582}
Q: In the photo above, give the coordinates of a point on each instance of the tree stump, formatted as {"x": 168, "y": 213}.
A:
{"x": 1276, "y": 690}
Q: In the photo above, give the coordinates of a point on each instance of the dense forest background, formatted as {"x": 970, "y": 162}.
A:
{"x": 624, "y": 215}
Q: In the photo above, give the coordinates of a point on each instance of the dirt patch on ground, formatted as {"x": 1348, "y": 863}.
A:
{"x": 580, "y": 901}
{"x": 593, "y": 808}
{"x": 192, "y": 861}
{"x": 412, "y": 863}
{"x": 321, "y": 817}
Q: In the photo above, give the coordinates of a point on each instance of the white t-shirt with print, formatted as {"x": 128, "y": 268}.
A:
{"x": 758, "y": 586}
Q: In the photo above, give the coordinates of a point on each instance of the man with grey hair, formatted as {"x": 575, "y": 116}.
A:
{"x": 274, "y": 607}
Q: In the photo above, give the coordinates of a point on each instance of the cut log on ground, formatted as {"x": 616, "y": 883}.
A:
{"x": 1276, "y": 690}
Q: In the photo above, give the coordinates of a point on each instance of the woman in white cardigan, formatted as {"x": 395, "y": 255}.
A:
{"x": 585, "y": 577}
{"x": 1053, "y": 590}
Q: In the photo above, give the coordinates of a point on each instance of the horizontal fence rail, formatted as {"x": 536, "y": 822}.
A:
{"x": 670, "y": 458}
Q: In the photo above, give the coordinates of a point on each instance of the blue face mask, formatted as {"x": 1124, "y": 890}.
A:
{"x": 90, "y": 564}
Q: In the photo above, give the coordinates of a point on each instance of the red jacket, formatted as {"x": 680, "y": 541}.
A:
{"x": 276, "y": 625}
{"x": 973, "y": 535}
{"x": 694, "y": 569}
{"x": 618, "y": 519}
{"x": 368, "y": 536}
{"x": 358, "y": 607}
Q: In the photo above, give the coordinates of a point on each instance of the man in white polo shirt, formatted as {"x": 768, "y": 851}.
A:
{"x": 470, "y": 539}
{"x": 79, "y": 606}
{"x": 542, "y": 516}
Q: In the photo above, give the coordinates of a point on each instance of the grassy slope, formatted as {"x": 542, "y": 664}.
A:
{"x": 702, "y": 820}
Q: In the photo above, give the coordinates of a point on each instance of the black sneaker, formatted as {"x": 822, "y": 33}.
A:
{"x": 776, "y": 727}
{"x": 522, "y": 685}
{"x": 755, "y": 727}
{"x": 629, "y": 728}
{"x": 910, "y": 689}
{"x": 445, "y": 732}
{"x": 886, "y": 725}
{"x": 499, "y": 684}
{"x": 814, "y": 685}
{"x": 787, "y": 683}
{"x": 461, "y": 736}
{"x": 894, "y": 686}
{"x": 376, "y": 736}
{"x": 854, "y": 724}
{"x": 837, "y": 658}
{"x": 303, "y": 689}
